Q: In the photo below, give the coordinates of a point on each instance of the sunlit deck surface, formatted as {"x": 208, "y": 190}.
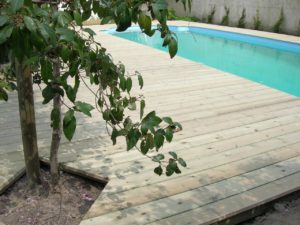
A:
{"x": 241, "y": 141}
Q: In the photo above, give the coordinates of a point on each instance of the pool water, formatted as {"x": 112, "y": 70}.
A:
{"x": 270, "y": 62}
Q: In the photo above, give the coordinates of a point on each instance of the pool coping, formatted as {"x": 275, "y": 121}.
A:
{"x": 256, "y": 33}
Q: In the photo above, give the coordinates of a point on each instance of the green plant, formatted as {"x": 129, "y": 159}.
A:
{"x": 256, "y": 21}
{"x": 225, "y": 19}
{"x": 242, "y": 22}
{"x": 299, "y": 28}
{"x": 51, "y": 48}
{"x": 172, "y": 16}
{"x": 210, "y": 18}
{"x": 278, "y": 24}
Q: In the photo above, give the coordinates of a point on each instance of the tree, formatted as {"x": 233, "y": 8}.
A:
{"x": 61, "y": 55}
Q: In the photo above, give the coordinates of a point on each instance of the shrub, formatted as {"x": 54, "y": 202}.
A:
{"x": 278, "y": 24}
{"x": 210, "y": 18}
{"x": 242, "y": 22}
{"x": 172, "y": 16}
{"x": 225, "y": 20}
{"x": 299, "y": 28}
{"x": 257, "y": 21}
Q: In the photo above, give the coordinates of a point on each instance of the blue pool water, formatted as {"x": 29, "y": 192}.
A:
{"x": 270, "y": 62}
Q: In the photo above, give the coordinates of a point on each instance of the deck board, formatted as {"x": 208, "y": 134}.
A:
{"x": 240, "y": 140}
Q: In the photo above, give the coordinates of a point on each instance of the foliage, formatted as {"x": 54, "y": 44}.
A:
{"x": 242, "y": 22}
{"x": 37, "y": 35}
{"x": 298, "y": 28}
{"x": 278, "y": 24}
{"x": 257, "y": 21}
{"x": 7, "y": 82}
{"x": 225, "y": 19}
{"x": 210, "y": 18}
{"x": 172, "y": 16}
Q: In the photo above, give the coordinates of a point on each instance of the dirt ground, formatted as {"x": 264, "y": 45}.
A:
{"x": 65, "y": 206}
{"x": 282, "y": 213}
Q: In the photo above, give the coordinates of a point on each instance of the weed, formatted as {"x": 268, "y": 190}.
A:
{"x": 172, "y": 16}
{"x": 242, "y": 22}
{"x": 257, "y": 21}
{"x": 210, "y": 18}
{"x": 225, "y": 20}
{"x": 278, "y": 24}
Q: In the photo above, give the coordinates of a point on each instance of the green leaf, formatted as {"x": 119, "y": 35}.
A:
{"x": 3, "y": 95}
{"x": 5, "y": 33}
{"x": 78, "y": 19}
{"x": 3, "y": 20}
{"x": 128, "y": 84}
{"x": 114, "y": 136}
{"x": 173, "y": 154}
{"x": 150, "y": 141}
{"x": 84, "y": 108}
{"x": 141, "y": 81}
{"x": 128, "y": 124}
{"x": 89, "y": 31}
{"x": 149, "y": 122}
{"x": 86, "y": 15}
{"x": 159, "y": 138}
{"x": 16, "y": 5}
{"x": 169, "y": 134}
{"x": 63, "y": 18}
{"x": 71, "y": 93}
{"x": 132, "y": 138}
{"x": 159, "y": 5}
{"x": 69, "y": 124}
{"x": 105, "y": 20}
{"x": 182, "y": 162}
{"x": 32, "y": 60}
{"x": 172, "y": 167}
{"x": 158, "y": 158}
{"x": 46, "y": 70}
{"x": 55, "y": 118}
{"x": 132, "y": 104}
{"x": 144, "y": 147}
{"x": 144, "y": 22}
{"x": 176, "y": 124}
{"x": 168, "y": 120}
{"x": 29, "y": 23}
{"x": 106, "y": 115}
{"x": 65, "y": 53}
{"x": 48, "y": 94}
{"x": 142, "y": 108}
{"x": 66, "y": 34}
{"x": 122, "y": 84}
{"x": 158, "y": 170}
{"x": 173, "y": 48}
{"x": 167, "y": 40}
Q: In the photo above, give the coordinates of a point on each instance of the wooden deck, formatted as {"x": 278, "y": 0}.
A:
{"x": 241, "y": 141}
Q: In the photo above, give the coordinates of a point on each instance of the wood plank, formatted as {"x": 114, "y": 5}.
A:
{"x": 177, "y": 204}
{"x": 109, "y": 202}
{"x": 235, "y": 205}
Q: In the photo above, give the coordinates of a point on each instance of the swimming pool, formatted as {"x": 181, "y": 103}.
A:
{"x": 267, "y": 61}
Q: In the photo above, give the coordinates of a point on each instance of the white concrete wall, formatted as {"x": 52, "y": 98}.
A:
{"x": 269, "y": 11}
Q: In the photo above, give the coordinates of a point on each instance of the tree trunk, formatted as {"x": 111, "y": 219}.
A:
{"x": 56, "y": 131}
{"x": 28, "y": 126}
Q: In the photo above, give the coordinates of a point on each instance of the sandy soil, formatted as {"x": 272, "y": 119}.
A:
{"x": 66, "y": 205}
{"x": 283, "y": 213}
